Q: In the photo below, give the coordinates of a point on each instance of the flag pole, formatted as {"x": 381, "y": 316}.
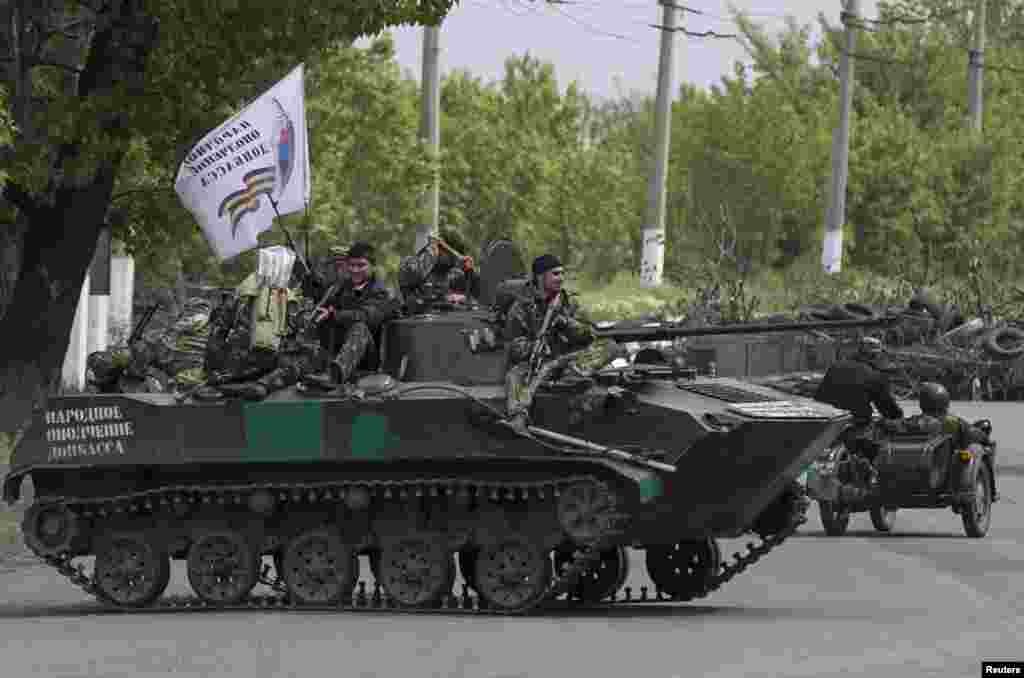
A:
{"x": 287, "y": 234}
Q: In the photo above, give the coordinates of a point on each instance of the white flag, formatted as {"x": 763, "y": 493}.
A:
{"x": 230, "y": 177}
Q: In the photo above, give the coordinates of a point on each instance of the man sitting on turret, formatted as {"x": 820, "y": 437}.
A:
{"x": 438, "y": 273}
{"x": 544, "y": 323}
{"x": 351, "y": 315}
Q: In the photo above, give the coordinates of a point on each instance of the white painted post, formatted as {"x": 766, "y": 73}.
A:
{"x": 99, "y": 294}
{"x": 122, "y": 288}
{"x": 73, "y": 372}
{"x": 99, "y": 312}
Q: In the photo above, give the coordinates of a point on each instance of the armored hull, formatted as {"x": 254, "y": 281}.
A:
{"x": 418, "y": 476}
{"x": 415, "y": 467}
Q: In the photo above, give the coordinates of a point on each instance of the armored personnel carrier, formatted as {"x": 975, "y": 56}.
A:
{"x": 417, "y": 470}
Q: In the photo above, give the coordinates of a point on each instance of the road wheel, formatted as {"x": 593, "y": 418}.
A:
{"x": 132, "y": 570}
{"x": 222, "y": 567}
{"x": 883, "y": 518}
{"x": 684, "y": 570}
{"x": 513, "y": 574}
{"x": 416, "y": 571}
{"x": 601, "y": 580}
{"x": 977, "y": 515}
{"x": 835, "y": 518}
{"x": 319, "y": 569}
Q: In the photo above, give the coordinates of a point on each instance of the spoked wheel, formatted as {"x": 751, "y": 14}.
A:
{"x": 222, "y": 567}
{"x": 512, "y": 575}
{"x": 582, "y": 508}
{"x": 319, "y": 569}
{"x": 415, "y": 571}
{"x": 835, "y": 518}
{"x": 684, "y": 570}
{"x": 883, "y": 518}
{"x": 132, "y": 570}
{"x": 977, "y": 516}
{"x": 600, "y": 581}
{"x": 49, "y": 529}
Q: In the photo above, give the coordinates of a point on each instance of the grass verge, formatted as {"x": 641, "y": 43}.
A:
{"x": 9, "y": 528}
{"x": 8, "y": 519}
{"x": 624, "y": 297}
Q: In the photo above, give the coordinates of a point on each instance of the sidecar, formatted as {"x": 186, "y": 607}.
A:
{"x": 911, "y": 469}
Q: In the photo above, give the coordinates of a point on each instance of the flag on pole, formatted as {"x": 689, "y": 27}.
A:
{"x": 231, "y": 179}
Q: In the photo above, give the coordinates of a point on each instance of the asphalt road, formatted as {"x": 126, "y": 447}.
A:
{"x": 924, "y": 601}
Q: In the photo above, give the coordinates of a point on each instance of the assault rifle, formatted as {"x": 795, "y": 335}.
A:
{"x": 541, "y": 345}
{"x": 144, "y": 321}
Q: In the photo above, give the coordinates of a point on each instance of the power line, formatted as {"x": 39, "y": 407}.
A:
{"x": 694, "y": 34}
{"x": 592, "y": 29}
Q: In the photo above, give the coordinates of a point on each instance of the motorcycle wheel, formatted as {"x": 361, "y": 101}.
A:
{"x": 835, "y": 518}
{"x": 883, "y": 518}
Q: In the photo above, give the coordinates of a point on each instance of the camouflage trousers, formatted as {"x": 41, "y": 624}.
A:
{"x": 520, "y": 390}
{"x": 357, "y": 345}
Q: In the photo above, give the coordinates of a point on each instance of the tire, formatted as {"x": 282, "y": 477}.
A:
{"x": 977, "y": 516}
{"x": 834, "y": 520}
{"x": 882, "y": 518}
{"x": 994, "y": 347}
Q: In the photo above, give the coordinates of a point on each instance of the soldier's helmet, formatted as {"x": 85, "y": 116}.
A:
{"x": 933, "y": 399}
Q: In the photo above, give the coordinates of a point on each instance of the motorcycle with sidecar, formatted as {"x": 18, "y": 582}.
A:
{"x": 912, "y": 467}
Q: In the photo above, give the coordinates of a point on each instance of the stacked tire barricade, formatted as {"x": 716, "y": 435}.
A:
{"x": 975, "y": 358}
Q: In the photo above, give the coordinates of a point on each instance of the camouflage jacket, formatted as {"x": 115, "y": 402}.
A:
{"x": 421, "y": 279}
{"x": 569, "y": 330}
{"x": 374, "y": 303}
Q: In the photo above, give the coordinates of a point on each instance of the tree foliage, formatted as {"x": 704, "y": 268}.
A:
{"x": 527, "y": 157}
{"x": 106, "y": 97}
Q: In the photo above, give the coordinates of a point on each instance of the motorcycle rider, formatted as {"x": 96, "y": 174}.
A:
{"x": 855, "y": 384}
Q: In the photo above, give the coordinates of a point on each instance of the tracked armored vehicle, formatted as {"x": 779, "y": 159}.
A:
{"x": 416, "y": 470}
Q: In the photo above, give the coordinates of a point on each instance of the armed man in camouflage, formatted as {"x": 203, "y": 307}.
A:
{"x": 257, "y": 345}
{"x": 350, "y": 314}
{"x": 438, "y": 273}
{"x": 546, "y": 332}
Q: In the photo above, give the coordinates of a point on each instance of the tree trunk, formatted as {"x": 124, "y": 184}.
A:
{"x": 57, "y": 239}
{"x": 57, "y": 248}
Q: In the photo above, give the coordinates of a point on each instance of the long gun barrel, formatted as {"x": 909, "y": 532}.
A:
{"x": 669, "y": 331}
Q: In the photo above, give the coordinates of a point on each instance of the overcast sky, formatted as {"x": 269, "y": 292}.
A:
{"x": 596, "y": 41}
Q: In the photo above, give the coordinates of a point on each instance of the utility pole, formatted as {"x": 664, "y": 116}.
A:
{"x": 975, "y": 72}
{"x": 835, "y": 217}
{"x": 430, "y": 129}
{"x": 653, "y": 233}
